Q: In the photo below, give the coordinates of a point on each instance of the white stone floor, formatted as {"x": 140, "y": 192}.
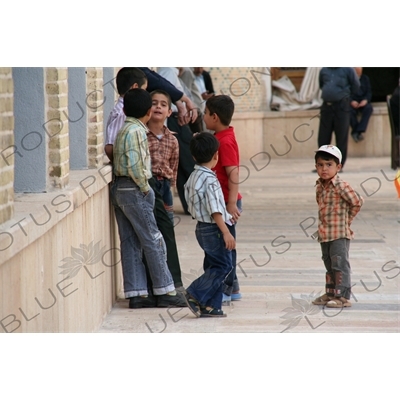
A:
{"x": 280, "y": 265}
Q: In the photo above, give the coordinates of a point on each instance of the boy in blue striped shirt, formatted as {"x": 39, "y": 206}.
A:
{"x": 206, "y": 204}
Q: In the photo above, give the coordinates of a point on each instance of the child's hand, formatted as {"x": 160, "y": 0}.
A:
{"x": 229, "y": 240}
{"x": 234, "y": 211}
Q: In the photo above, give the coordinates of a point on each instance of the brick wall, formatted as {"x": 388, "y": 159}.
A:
{"x": 94, "y": 103}
{"x": 245, "y": 85}
{"x": 56, "y": 103}
{"x": 6, "y": 141}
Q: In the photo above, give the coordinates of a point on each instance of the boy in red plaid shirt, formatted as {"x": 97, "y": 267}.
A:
{"x": 164, "y": 149}
{"x": 338, "y": 204}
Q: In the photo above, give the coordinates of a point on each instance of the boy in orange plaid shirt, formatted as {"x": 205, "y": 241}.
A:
{"x": 164, "y": 149}
{"x": 338, "y": 205}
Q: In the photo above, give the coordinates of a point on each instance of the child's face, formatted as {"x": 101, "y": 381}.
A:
{"x": 327, "y": 169}
{"x": 209, "y": 120}
{"x": 160, "y": 109}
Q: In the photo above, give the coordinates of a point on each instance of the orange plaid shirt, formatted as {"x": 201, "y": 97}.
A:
{"x": 164, "y": 155}
{"x": 338, "y": 204}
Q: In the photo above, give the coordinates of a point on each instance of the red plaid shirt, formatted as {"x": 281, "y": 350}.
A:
{"x": 338, "y": 204}
{"x": 164, "y": 154}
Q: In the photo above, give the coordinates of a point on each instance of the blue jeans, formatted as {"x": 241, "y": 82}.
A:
{"x": 164, "y": 188}
{"x": 138, "y": 233}
{"x": 231, "y": 283}
{"x": 207, "y": 289}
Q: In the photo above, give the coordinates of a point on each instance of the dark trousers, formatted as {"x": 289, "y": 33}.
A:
{"x": 186, "y": 162}
{"x": 360, "y": 126}
{"x": 166, "y": 227}
{"x": 335, "y": 117}
{"x": 335, "y": 255}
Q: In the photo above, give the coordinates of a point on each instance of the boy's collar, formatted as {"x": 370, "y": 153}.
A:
{"x": 332, "y": 180}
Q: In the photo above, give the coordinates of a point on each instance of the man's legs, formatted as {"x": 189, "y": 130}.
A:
{"x": 366, "y": 113}
{"x": 341, "y": 124}
{"x": 325, "y": 125}
{"x": 186, "y": 162}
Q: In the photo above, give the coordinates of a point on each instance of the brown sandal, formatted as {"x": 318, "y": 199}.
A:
{"x": 338, "y": 302}
{"x": 322, "y": 300}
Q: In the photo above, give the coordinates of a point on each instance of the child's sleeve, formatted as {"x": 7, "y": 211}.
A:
{"x": 174, "y": 161}
{"x": 353, "y": 199}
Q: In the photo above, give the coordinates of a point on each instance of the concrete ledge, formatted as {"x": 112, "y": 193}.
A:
{"x": 35, "y": 214}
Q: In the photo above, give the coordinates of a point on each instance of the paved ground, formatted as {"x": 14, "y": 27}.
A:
{"x": 280, "y": 265}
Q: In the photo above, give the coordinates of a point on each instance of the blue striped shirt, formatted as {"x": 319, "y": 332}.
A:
{"x": 204, "y": 196}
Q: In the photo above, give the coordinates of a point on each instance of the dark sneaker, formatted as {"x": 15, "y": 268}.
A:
{"x": 142, "y": 302}
{"x": 165, "y": 300}
{"x": 213, "y": 313}
{"x": 180, "y": 289}
{"x": 193, "y": 305}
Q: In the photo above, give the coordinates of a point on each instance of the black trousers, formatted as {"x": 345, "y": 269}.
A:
{"x": 335, "y": 117}
{"x": 186, "y": 162}
{"x": 360, "y": 125}
{"x": 166, "y": 227}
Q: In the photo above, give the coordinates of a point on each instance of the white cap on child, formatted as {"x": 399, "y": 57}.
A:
{"x": 328, "y": 148}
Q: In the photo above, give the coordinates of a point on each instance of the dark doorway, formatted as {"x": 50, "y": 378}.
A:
{"x": 383, "y": 81}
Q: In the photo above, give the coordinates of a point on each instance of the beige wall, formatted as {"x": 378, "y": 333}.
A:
{"x": 71, "y": 225}
{"x": 294, "y": 134}
{"x": 36, "y": 293}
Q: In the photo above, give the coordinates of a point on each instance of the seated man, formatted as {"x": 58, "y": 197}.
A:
{"x": 360, "y": 104}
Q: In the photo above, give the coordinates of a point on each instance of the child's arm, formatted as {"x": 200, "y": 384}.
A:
{"x": 354, "y": 200}
{"x": 233, "y": 186}
{"x": 230, "y": 243}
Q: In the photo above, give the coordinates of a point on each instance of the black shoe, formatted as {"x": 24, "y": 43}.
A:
{"x": 165, "y": 300}
{"x": 361, "y": 137}
{"x": 355, "y": 136}
{"x": 213, "y": 313}
{"x": 142, "y": 302}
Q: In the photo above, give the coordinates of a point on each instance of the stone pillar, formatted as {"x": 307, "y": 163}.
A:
{"x": 110, "y": 93}
{"x": 56, "y": 125}
{"x": 94, "y": 103}
{"x": 6, "y": 142}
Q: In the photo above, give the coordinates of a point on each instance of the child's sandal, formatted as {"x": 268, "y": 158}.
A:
{"x": 338, "y": 302}
{"x": 212, "y": 312}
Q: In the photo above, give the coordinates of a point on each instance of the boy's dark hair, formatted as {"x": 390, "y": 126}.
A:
{"x": 203, "y": 146}
{"x": 127, "y": 77}
{"x": 326, "y": 157}
{"x": 164, "y": 93}
{"x": 137, "y": 102}
{"x": 223, "y": 106}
